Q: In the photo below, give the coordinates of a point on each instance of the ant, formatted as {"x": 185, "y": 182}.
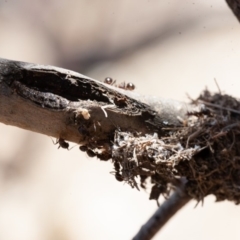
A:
{"x": 83, "y": 148}
{"x": 62, "y": 143}
{"x": 117, "y": 174}
{"x": 126, "y": 86}
{"x": 109, "y": 81}
{"x": 89, "y": 151}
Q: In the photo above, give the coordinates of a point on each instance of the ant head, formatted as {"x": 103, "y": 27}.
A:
{"x": 108, "y": 80}
{"x": 130, "y": 86}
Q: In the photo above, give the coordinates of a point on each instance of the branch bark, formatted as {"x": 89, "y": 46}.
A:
{"x": 65, "y": 104}
{"x": 176, "y": 201}
{"x": 235, "y": 7}
{"x": 73, "y": 107}
{"x": 145, "y": 137}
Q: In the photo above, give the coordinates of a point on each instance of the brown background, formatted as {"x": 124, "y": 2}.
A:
{"x": 167, "y": 48}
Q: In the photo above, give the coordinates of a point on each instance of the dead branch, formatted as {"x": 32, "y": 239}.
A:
{"x": 145, "y": 137}
{"x": 235, "y": 7}
{"x": 64, "y": 104}
{"x": 175, "y": 202}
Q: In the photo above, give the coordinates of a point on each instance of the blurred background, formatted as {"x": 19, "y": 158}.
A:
{"x": 165, "y": 48}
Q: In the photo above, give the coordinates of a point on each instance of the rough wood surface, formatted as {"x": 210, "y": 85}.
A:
{"x": 235, "y": 7}
{"x": 65, "y": 104}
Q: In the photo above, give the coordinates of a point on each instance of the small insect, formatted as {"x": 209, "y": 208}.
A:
{"x": 62, "y": 143}
{"x": 118, "y": 177}
{"x": 90, "y": 153}
{"x": 130, "y": 86}
{"x": 143, "y": 181}
{"x": 127, "y": 86}
{"x": 156, "y": 191}
{"x": 117, "y": 173}
{"x": 104, "y": 156}
{"x": 109, "y": 81}
{"x": 83, "y": 148}
{"x": 117, "y": 166}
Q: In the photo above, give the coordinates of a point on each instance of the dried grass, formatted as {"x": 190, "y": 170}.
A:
{"x": 205, "y": 151}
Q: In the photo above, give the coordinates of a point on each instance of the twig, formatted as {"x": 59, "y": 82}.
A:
{"x": 235, "y": 7}
{"x": 178, "y": 199}
{"x": 218, "y": 106}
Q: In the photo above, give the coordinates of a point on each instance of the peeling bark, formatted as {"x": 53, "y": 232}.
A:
{"x": 65, "y": 104}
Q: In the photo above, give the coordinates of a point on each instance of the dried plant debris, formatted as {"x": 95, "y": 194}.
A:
{"x": 205, "y": 151}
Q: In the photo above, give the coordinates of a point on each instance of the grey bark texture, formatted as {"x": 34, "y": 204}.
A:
{"x": 234, "y": 5}
{"x": 65, "y": 104}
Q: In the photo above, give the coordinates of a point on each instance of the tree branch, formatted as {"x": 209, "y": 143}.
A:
{"x": 175, "y": 202}
{"x": 146, "y": 137}
{"x": 68, "y": 105}
{"x": 235, "y": 7}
